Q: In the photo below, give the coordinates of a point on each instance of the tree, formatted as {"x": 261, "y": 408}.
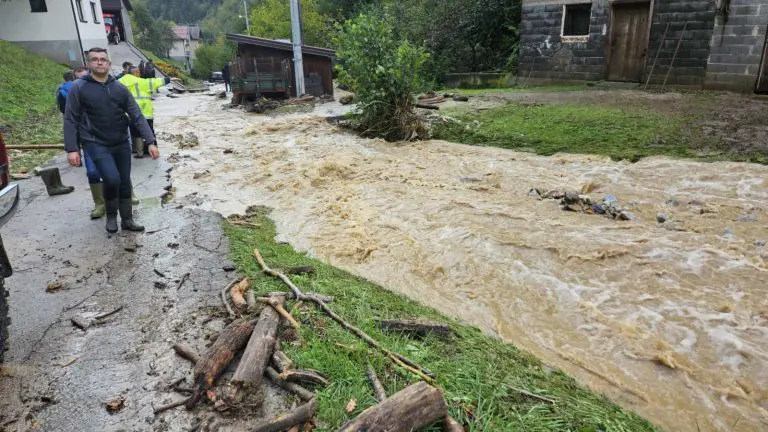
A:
{"x": 272, "y": 19}
{"x": 154, "y": 35}
{"x": 384, "y": 72}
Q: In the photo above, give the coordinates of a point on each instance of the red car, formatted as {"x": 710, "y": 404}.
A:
{"x": 9, "y": 199}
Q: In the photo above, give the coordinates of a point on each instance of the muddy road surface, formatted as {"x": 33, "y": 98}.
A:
{"x": 669, "y": 319}
{"x": 60, "y": 378}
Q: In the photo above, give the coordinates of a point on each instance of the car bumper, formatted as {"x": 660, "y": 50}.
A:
{"x": 9, "y": 201}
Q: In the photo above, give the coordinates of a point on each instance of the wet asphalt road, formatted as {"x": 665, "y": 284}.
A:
{"x": 58, "y": 377}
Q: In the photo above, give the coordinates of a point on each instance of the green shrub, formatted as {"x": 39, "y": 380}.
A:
{"x": 384, "y": 73}
{"x": 211, "y": 58}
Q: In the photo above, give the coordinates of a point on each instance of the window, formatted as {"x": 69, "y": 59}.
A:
{"x": 80, "y": 10}
{"x": 576, "y": 19}
{"x": 94, "y": 12}
{"x": 38, "y": 5}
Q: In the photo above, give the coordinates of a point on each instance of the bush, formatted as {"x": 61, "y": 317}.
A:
{"x": 211, "y": 58}
{"x": 384, "y": 73}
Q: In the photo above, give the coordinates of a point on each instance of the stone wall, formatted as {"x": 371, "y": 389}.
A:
{"x": 737, "y": 46}
{"x": 545, "y": 55}
{"x": 691, "y": 63}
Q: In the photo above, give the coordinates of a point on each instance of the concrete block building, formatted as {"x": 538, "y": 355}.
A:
{"x": 715, "y": 44}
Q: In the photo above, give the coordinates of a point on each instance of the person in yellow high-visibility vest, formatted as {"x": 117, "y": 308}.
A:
{"x": 142, "y": 90}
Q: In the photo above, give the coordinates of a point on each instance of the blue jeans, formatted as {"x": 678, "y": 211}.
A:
{"x": 114, "y": 165}
{"x": 90, "y": 169}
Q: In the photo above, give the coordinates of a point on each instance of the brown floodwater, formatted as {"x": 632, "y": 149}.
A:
{"x": 670, "y": 320}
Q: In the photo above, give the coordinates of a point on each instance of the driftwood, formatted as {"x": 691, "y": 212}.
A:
{"x": 416, "y": 327}
{"x": 412, "y": 408}
{"x": 427, "y": 106}
{"x": 173, "y": 405}
{"x": 184, "y": 278}
{"x": 186, "y": 352}
{"x": 281, "y": 361}
{"x": 250, "y": 299}
{"x": 398, "y": 359}
{"x": 292, "y": 296}
{"x": 378, "y": 389}
{"x": 277, "y": 305}
{"x": 224, "y": 299}
{"x": 294, "y": 388}
{"x": 300, "y": 415}
{"x": 260, "y": 347}
{"x": 108, "y": 314}
{"x": 219, "y": 355}
{"x": 238, "y": 294}
{"x": 451, "y": 425}
{"x": 305, "y": 377}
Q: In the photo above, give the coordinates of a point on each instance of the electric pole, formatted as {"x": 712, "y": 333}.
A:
{"x": 298, "y": 61}
{"x": 247, "y": 24}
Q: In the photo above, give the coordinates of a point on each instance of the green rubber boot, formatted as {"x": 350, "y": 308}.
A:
{"x": 97, "y": 191}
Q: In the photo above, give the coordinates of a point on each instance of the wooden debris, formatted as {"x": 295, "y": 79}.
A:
{"x": 184, "y": 278}
{"x": 260, "y": 347}
{"x": 224, "y": 299}
{"x": 292, "y": 296}
{"x": 277, "y": 305}
{"x": 281, "y": 361}
{"x": 302, "y": 414}
{"x": 172, "y": 405}
{"x": 416, "y": 327}
{"x": 427, "y": 106}
{"x": 218, "y": 356}
{"x": 238, "y": 294}
{"x": 378, "y": 389}
{"x": 250, "y": 299}
{"x": 305, "y": 377}
{"x": 451, "y": 425}
{"x": 108, "y": 314}
{"x": 294, "y": 388}
{"x": 412, "y": 408}
{"x": 186, "y": 352}
{"x": 398, "y": 359}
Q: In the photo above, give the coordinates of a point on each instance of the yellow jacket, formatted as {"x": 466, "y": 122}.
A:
{"x": 142, "y": 90}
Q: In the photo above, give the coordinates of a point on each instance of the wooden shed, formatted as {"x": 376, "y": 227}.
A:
{"x": 265, "y": 67}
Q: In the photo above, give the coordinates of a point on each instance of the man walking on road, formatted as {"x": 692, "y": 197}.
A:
{"x": 99, "y": 110}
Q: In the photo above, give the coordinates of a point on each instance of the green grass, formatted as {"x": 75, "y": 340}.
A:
{"x": 28, "y": 86}
{"x": 479, "y": 374}
{"x": 533, "y": 89}
{"x": 546, "y": 129}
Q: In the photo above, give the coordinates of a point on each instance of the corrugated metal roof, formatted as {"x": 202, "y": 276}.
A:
{"x": 285, "y": 46}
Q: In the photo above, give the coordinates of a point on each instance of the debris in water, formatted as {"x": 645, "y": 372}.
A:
{"x": 760, "y": 243}
{"x": 115, "y": 405}
{"x": 672, "y": 202}
{"x": 228, "y": 151}
{"x": 661, "y": 217}
{"x": 728, "y": 234}
{"x": 571, "y": 200}
{"x": 161, "y": 285}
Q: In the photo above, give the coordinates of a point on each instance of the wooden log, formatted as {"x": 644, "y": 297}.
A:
{"x": 451, "y": 425}
{"x": 211, "y": 364}
{"x": 292, "y": 296}
{"x": 238, "y": 294}
{"x": 416, "y": 327}
{"x": 186, "y": 352}
{"x": 281, "y": 361}
{"x": 260, "y": 347}
{"x": 277, "y": 304}
{"x": 305, "y": 377}
{"x": 294, "y": 388}
{"x": 427, "y": 106}
{"x": 300, "y": 415}
{"x": 378, "y": 389}
{"x": 412, "y": 408}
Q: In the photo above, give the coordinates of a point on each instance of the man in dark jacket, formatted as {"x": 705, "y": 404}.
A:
{"x": 226, "y": 77}
{"x": 98, "y": 112}
{"x": 149, "y": 70}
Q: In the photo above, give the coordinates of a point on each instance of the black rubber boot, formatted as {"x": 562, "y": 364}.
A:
{"x": 112, "y": 206}
{"x": 52, "y": 179}
{"x": 126, "y": 217}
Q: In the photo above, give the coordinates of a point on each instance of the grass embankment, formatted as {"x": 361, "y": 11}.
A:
{"x": 549, "y": 128}
{"x": 480, "y": 375}
{"x": 28, "y": 110}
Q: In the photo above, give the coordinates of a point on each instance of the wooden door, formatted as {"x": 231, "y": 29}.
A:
{"x": 629, "y": 40}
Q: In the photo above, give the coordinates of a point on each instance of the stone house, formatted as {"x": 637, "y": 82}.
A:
{"x": 713, "y": 44}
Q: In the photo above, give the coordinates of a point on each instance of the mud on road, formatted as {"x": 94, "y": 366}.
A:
{"x": 670, "y": 320}
{"x": 60, "y": 378}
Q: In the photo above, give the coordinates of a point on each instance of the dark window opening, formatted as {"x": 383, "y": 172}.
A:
{"x": 80, "y": 10}
{"x": 38, "y": 5}
{"x": 576, "y": 19}
{"x": 94, "y": 12}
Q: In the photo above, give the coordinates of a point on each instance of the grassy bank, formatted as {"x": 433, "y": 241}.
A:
{"x": 482, "y": 376}
{"x": 28, "y": 111}
{"x": 547, "y": 129}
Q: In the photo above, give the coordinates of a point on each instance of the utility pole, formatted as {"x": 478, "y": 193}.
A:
{"x": 247, "y": 24}
{"x": 298, "y": 61}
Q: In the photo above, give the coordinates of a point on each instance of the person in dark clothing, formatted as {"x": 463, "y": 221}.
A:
{"x": 227, "y": 78}
{"x": 99, "y": 110}
{"x": 63, "y": 90}
{"x": 126, "y": 69}
{"x": 141, "y": 68}
{"x": 149, "y": 70}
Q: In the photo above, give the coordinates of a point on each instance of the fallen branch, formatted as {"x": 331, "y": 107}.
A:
{"x": 398, "y": 359}
{"x": 245, "y": 224}
{"x": 261, "y": 345}
{"x": 412, "y": 408}
{"x": 294, "y": 388}
{"x": 533, "y": 395}
{"x": 173, "y": 405}
{"x": 216, "y": 359}
{"x": 300, "y": 415}
{"x": 184, "y": 278}
{"x": 292, "y": 296}
{"x": 451, "y": 425}
{"x": 277, "y": 306}
{"x": 237, "y": 293}
{"x": 186, "y": 352}
{"x": 304, "y": 376}
{"x": 378, "y": 389}
{"x": 224, "y": 299}
{"x": 416, "y": 327}
{"x": 281, "y": 361}
{"x": 427, "y": 106}
{"x": 108, "y": 314}
{"x": 250, "y": 299}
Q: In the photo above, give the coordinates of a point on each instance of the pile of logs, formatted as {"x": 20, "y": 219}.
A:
{"x": 416, "y": 406}
{"x": 430, "y": 100}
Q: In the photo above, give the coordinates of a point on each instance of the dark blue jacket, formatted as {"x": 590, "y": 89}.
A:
{"x": 61, "y": 95}
{"x": 101, "y": 112}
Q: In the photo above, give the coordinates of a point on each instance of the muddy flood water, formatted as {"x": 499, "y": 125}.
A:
{"x": 670, "y": 320}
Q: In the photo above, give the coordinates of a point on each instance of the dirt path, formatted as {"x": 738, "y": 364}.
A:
{"x": 669, "y": 320}
{"x": 59, "y": 378}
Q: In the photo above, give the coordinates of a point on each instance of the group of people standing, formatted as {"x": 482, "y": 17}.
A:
{"x": 102, "y": 114}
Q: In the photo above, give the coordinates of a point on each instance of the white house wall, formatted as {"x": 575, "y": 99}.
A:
{"x": 92, "y": 33}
